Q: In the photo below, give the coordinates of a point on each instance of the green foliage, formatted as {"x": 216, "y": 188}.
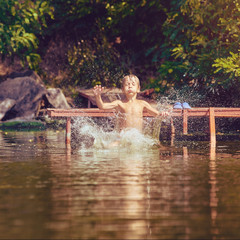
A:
{"x": 199, "y": 35}
{"x": 134, "y": 27}
{"x": 166, "y": 43}
{"x": 77, "y": 18}
{"x": 139, "y": 26}
{"x": 229, "y": 65}
{"x": 20, "y": 24}
{"x": 91, "y": 63}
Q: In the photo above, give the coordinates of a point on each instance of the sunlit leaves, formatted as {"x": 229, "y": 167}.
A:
{"x": 205, "y": 33}
{"x": 179, "y": 52}
{"x": 229, "y": 65}
{"x": 21, "y": 39}
{"x": 20, "y": 23}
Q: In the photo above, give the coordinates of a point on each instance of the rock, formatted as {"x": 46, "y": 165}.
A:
{"x": 26, "y": 93}
{"x": 5, "y": 105}
{"x": 56, "y": 98}
{"x": 23, "y": 94}
{"x": 28, "y": 73}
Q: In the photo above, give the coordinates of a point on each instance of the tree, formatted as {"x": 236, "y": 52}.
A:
{"x": 200, "y": 36}
{"x": 114, "y": 36}
{"x": 21, "y": 24}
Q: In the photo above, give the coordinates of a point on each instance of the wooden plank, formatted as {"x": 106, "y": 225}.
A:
{"x": 81, "y": 114}
{"x": 219, "y": 112}
{"x": 227, "y": 112}
{"x": 199, "y": 112}
{"x": 95, "y": 112}
{"x": 85, "y": 112}
{"x": 176, "y": 113}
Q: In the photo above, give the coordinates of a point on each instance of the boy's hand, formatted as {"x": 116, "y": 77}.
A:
{"x": 97, "y": 90}
{"x": 163, "y": 114}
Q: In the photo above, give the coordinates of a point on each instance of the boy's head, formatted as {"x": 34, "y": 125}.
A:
{"x": 131, "y": 80}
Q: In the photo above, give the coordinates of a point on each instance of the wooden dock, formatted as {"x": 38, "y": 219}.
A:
{"x": 211, "y": 113}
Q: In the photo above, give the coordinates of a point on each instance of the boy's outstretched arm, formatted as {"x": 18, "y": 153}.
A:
{"x": 97, "y": 90}
{"x": 154, "y": 111}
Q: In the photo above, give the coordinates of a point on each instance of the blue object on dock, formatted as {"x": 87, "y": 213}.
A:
{"x": 186, "y": 105}
{"x": 177, "y": 105}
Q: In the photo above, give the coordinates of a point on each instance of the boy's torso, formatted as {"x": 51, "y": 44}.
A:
{"x": 131, "y": 114}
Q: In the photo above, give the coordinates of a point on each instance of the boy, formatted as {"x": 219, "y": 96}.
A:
{"x": 130, "y": 110}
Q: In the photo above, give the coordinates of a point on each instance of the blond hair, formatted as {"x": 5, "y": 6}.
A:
{"x": 131, "y": 77}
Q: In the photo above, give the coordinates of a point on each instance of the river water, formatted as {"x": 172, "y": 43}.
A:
{"x": 185, "y": 191}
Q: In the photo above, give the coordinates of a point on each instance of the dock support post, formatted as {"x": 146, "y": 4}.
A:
{"x": 172, "y": 127}
{"x": 185, "y": 121}
{"x": 68, "y": 131}
{"x": 172, "y": 132}
{"x": 212, "y": 126}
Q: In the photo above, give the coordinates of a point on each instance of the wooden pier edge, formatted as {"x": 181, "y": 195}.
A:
{"x": 210, "y": 112}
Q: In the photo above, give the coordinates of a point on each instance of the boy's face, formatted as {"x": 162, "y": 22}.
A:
{"x": 131, "y": 86}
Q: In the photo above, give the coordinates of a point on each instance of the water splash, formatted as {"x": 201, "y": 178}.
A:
{"x": 100, "y": 133}
{"x": 185, "y": 94}
{"x": 97, "y": 133}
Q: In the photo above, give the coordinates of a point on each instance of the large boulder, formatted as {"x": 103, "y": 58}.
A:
{"x": 56, "y": 98}
{"x": 27, "y": 94}
{"x": 23, "y": 94}
{"x": 29, "y": 73}
{"x": 5, "y": 106}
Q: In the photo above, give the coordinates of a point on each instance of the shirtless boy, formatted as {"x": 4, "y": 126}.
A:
{"x": 131, "y": 109}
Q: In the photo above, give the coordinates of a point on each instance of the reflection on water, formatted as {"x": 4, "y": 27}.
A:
{"x": 185, "y": 191}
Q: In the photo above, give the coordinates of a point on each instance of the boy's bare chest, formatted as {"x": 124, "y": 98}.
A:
{"x": 132, "y": 109}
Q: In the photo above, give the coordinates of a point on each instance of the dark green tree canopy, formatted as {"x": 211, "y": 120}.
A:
{"x": 166, "y": 43}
